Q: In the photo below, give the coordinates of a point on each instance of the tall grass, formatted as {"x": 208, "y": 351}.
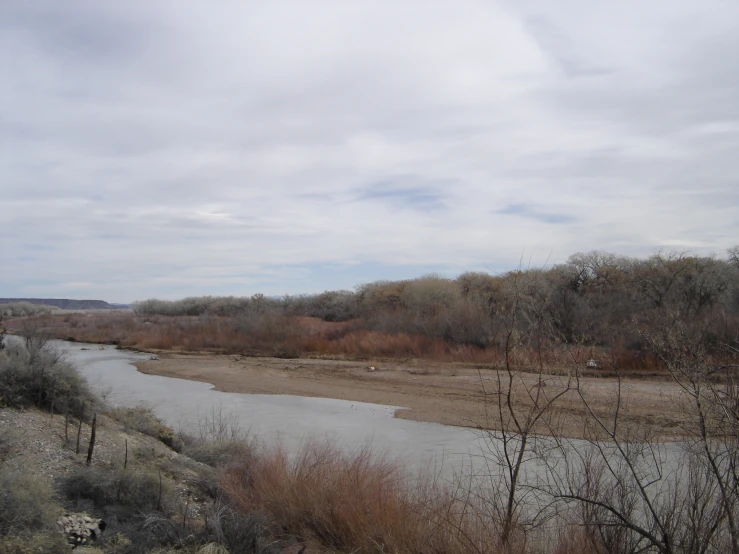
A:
{"x": 355, "y": 502}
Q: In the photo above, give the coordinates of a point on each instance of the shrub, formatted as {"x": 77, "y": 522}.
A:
{"x": 354, "y": 502}
{"x": 24, "y": 309}
{"x": 38, "y": 375}
{"x": 219, "y": 440}
{"x": 26, "y": 504}
{"x": 48, "y": 542}
{"x": 144, "y": 421}
{"x": 235, "y": 532}
{"x": 137, "y": 490}
{"x": 7, "y": 440}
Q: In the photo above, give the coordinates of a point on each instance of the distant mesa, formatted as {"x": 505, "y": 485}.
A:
{"x": 67, "y": 304}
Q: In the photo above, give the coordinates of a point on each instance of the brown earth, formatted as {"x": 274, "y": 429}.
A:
{"x": 450, "y": 394}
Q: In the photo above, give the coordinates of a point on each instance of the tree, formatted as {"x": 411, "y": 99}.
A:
{"x": 636, "y": 493}
{"x": 519, "y": 404}
{"x": 734, "y": 255}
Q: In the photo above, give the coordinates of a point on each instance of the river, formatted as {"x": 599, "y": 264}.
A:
{"x": 291, "y": 420}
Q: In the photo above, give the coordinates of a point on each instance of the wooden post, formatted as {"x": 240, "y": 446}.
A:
{"x": 92, "y": 439}
{"x": 79, "y": 432}
{"x": 159, "y": 502}
{"x": 120, "y": 481}
{"x": 187, "y": 507}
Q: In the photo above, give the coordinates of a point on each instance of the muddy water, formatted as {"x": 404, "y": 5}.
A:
{"x": 290, "y": 419}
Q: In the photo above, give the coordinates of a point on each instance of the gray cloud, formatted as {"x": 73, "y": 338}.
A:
{"x": 148, "y": 149}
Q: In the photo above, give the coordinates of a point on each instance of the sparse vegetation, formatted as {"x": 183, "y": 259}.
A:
{"x": 136, "y": 490}
{"x": 220, "y": 440}
{"x": 24, "y": 309}
{"x": 144, "y": 421}
{"x": 25, "y": 504}
{"x": 27, "y": 515}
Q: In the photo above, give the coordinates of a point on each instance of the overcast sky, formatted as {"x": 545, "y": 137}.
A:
{"x": 174, "y": 148}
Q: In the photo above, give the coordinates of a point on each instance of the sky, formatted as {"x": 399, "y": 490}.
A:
{"x": 180, "y": 148}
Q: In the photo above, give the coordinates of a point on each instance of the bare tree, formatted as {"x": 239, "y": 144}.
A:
{"x": 518, "y": 405}
{"x": 709, "y": 385}
{"x": 734, "y": 255}
{"x": 636, "y": 493}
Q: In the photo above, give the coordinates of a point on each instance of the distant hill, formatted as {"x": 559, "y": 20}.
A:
{"x": 66, "y": 303}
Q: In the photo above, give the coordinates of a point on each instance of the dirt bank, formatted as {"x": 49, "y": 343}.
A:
{"x": 449, "y": 394}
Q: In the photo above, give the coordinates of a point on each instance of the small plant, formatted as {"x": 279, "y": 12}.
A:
{"x": 144, "y": 421}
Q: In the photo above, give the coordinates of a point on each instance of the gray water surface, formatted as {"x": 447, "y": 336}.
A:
{"x": 292, "y": 420}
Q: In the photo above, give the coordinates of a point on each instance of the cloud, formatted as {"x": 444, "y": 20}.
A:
{"x": 154, "y": 149}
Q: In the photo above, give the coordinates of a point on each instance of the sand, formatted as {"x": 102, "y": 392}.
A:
{"x": 450, "y": 394}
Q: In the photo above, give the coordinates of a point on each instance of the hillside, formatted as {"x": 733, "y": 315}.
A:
{"x": 65, "y": 303}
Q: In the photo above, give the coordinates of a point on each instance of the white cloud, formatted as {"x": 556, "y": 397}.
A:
{"x": 163, "y": 149}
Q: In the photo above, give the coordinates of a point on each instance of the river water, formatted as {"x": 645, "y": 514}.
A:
{"x": 291, "y": 420}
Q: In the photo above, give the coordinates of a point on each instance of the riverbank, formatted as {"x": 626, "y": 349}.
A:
{"x": 221, "y": 493}
{"x": 449, "y": 394}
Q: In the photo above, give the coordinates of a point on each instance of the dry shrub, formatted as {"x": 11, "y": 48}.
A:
{"x": 48, "y": 542}
{"x": 136, "y": 490}
{"x": 26, "y": 504}
{"x": 573, "y": 539}
{"x": 234, "y": 532}
{"x": 144, "y": 421}
{"x": 353, "y": 502}
{"x": 289, "y": 336}
{"x": 28, "y": 516}
{"x": 8, "y": 438}
{"x": 219, "y": 440}
{"x": 40, "y": 375}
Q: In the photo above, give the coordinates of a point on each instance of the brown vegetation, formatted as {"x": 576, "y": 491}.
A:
{"x": 351, "y": 502}
{"x": 620, "y": 489}
{"x": 597, "y": 306}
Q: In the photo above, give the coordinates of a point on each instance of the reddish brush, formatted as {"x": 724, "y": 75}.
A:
{"x": 355, "y": 503}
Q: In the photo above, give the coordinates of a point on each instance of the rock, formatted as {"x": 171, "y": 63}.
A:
{"x": 80, "y": 529}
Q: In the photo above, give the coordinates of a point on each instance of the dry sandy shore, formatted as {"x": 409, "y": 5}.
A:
{"x": 439, "y": 393}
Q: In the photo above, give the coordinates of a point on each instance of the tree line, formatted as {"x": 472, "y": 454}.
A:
{"x": 595, "y": 299}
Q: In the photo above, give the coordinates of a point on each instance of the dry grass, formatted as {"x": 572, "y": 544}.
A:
{"x": 26, "y": 504}
{"x": 354, "y": 502}
{"x": 144, "y": 421}
{"x": 574, "y": 539}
